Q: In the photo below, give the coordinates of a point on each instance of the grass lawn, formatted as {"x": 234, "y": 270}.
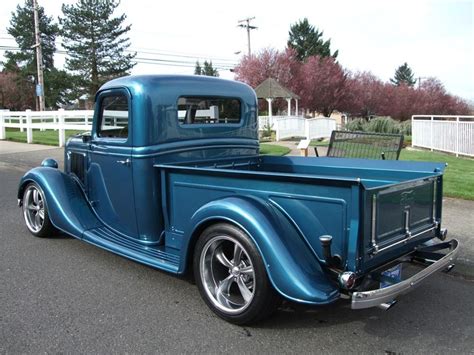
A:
{"x": 458, "y": 176}
{"x": 271, "y": 149}
{"x": 48, "y": 137}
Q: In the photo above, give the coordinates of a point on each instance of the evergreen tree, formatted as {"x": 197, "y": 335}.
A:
{"x": 207, "y": 69}
{"x": 96, "y": 43}
{"x": 307, "y": 41}
{"x": 23, "y": 62}
{"x": 403, "y": 75}
{"x": 198, "y": 68}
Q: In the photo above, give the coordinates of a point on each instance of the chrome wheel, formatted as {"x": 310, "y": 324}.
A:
{"x": 227, "y": 273}
{"x": 34, "y": 208}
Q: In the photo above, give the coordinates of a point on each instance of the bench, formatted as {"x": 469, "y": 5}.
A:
{"x": 346, "y": 144}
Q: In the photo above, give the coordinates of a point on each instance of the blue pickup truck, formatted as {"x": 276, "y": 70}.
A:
{"x": 171, "y": 176}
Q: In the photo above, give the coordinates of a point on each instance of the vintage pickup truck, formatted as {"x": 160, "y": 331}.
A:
{"x": 171, "y": 176}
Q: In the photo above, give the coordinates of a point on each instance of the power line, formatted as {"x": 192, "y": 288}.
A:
{"x": 145, "y": 60}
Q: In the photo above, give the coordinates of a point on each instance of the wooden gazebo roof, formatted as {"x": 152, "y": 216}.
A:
{"x": 271, "y": 89}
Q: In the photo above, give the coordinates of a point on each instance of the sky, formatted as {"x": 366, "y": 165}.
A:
{"x": 435, "y": 37}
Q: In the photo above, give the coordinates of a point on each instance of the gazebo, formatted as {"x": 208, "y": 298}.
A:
{"x": 270, "y": 89}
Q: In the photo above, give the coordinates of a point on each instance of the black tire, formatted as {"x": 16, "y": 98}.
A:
{"x": 234, "y": 284}
{"x": 35, "y": 212}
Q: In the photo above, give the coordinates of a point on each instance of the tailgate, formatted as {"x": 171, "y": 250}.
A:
{"x": 398, "y": 216}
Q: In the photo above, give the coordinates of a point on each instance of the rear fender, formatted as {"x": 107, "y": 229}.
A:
{"x": 67, "y": 206}
{"x": 293, "y": 269}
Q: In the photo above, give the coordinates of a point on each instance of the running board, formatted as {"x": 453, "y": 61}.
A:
{"x": 159, "y": 257}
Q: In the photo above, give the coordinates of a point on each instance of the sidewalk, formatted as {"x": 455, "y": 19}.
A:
{"x": 9, "y": 147}
{"x": 294, "y": 151}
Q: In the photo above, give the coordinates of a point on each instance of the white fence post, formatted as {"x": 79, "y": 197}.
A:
{"x": 457, "y": 136}
{"x": 20, "y": 121}
{"x": 61, "y": 130}
{"x": 3, "y": 134}
{"x": 432, "y": 134}
{"x": 29, "y": 130}
{"x": 277, "y": 131}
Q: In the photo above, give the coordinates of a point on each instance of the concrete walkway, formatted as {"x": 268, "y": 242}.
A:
{"x": 294, "y": 151}
{"x": 8, "y": 147}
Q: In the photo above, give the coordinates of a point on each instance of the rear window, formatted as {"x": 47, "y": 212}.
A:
{"x": 208, "y": 110}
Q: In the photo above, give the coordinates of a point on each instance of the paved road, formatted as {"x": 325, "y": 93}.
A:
{"x": 62, "y": 295}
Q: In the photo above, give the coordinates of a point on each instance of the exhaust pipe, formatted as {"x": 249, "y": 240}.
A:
{"x": 387, "y": 305}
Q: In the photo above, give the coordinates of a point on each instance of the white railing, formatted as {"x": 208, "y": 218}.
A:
{"x": 267, "y": 121}
{"x": 288, "y": 127}
{"x": 320, "y": 127}
{"x": 453, "y": 134}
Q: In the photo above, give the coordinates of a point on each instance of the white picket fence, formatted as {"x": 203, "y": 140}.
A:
{"x": 288, "y": 127}
{"x": 59, "y": 121}
{"x": 453, "y": 134}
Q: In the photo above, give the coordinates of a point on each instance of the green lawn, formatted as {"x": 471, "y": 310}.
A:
{"x": 270, "y": 149}
{"x": 458, "y": 178}
{"x": 459, "y": 174}
{"x": 48, "y": 137}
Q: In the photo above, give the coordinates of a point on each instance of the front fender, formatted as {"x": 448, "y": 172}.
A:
{"x": 67, "y": 207}
{"x": 292, "y": 267}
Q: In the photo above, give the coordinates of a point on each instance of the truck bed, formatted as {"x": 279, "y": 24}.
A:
{"x": 375, "y": 210}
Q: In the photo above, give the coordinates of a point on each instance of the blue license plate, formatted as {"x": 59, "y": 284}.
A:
{"x": 391, "y": 276}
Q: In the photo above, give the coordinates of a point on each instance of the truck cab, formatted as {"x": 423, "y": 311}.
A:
{"x": 171, "y": 176}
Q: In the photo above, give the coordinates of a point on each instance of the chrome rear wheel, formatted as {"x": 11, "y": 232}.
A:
{"x": 228, "y": 274}
{"x": 231, "y": 275}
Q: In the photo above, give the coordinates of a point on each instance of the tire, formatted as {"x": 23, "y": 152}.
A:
{"x": 231, "y": 276}
{"x": 35, "y": 212}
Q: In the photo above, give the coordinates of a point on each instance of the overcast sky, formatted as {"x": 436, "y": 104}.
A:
{"x": 436, "y": 38}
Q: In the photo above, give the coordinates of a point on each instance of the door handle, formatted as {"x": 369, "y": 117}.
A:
{"x": 125, "y": 162}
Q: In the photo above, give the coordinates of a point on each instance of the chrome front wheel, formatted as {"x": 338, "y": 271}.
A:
{"x": 35, "y": 212}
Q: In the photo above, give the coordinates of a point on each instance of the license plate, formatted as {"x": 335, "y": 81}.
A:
{"x": 391, "y": 276}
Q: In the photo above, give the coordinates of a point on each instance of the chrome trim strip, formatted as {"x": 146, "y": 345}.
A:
{"x": 374, "y": 226}
{"x": 407, "y": 222}
{"x": 373, "y": 298}
{"x": 405, "y": 240}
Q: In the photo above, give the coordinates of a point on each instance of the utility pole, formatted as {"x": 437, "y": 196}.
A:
{"x": 248, "y": 27}
{"x": 39, "y": 59}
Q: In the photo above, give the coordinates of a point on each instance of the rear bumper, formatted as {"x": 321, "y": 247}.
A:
{"x": 373, "y": 298}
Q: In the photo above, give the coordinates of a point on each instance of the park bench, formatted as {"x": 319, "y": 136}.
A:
{"x": 346, "y": 144}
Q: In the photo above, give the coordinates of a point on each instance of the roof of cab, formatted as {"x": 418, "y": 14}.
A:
{"x": 181, "y": 84}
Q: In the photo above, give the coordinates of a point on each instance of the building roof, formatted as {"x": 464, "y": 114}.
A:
{"x": 271, "y": 89}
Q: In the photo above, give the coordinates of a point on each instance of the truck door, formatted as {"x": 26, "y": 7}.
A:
{"x": 109, "y": 180}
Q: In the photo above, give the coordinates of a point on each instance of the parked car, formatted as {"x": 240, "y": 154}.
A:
{"x": 171, "y": 176}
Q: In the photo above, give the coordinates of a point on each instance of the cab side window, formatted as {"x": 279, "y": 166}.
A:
{"x": 114, "y": 117}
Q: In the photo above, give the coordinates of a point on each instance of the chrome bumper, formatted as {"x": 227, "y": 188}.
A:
{"x": 373, "y": 298}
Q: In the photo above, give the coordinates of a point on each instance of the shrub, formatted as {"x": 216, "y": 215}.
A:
{"x": 383, "y": 125}
{"x": 357, "y": 124}
{"x": 380, "y": 125}
{"x": 405, "y": 128}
